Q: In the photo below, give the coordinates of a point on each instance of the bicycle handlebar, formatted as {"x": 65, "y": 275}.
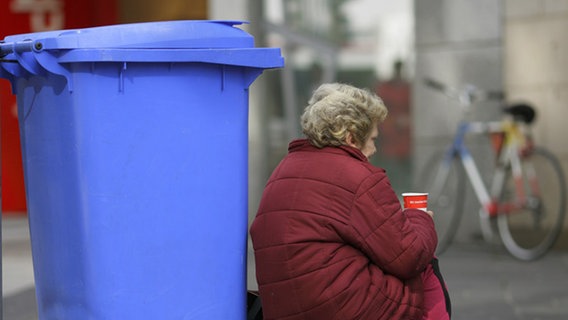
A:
{"x": 470, "y": 94}
{"x": 467, "y": 95}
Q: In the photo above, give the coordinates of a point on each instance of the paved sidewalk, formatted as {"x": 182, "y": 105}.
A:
{"x": 18, "y": 290}
{"x": 484, "y": 281}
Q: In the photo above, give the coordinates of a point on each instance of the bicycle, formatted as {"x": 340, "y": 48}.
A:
{"x": 525, "y": 200}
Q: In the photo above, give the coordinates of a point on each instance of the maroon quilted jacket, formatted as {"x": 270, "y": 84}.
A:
{"x": 332, "y": 242}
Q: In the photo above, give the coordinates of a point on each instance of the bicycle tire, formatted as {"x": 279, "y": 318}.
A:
{"x": 445, "y": 200}
{"x": 530, "y": 232}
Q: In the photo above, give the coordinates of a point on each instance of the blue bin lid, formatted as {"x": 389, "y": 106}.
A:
{"x": 205, "y": 41}
{"x": 183, "y": 34}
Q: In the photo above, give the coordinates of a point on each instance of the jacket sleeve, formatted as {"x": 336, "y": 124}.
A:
{"x": 400, "y": 242}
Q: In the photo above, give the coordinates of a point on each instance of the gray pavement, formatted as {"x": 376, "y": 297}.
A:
{"x": 484, "y": 281}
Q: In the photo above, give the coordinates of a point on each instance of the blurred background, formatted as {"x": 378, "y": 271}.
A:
{"x": 518, "y": 46}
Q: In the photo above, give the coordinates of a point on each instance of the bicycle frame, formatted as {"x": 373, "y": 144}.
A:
{"x": 528, "y": 219}
{"x": 508, "y": 155}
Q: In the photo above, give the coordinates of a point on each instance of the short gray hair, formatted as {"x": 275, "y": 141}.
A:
{"x": 336, "y": 109}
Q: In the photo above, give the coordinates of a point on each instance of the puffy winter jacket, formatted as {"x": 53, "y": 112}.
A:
{"x": 332, "y": 242}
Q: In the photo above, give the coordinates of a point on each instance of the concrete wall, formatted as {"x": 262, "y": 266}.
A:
{"x": 536, "y": 64}
{"x": 536, "y": 67}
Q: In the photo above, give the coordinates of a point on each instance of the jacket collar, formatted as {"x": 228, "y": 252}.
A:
{"x": 305, "y": 145}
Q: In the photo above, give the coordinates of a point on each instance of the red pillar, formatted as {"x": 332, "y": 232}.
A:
{"x": 24, "y": 16}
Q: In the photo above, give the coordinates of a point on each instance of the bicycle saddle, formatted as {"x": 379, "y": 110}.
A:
{"x": 521, "y": 112}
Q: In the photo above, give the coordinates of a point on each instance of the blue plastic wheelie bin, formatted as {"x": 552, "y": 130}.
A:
{"x": 135, "y": 144}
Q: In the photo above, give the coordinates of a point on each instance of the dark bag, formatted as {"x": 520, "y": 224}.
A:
{"x": 254, "y": 307}
{"x": 438, "y": 274}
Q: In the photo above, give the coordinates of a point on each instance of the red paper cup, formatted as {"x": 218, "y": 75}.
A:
{"x": 415, "y": 200}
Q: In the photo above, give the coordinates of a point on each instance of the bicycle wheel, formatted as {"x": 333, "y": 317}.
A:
{"x": 443, "y": 179}
{"x": 528, "y": 231}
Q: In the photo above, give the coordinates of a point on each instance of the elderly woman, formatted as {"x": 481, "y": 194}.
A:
{"x": 331, "y": 240}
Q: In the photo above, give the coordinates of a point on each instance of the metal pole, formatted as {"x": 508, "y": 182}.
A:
{"x": 291, "y": 116}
